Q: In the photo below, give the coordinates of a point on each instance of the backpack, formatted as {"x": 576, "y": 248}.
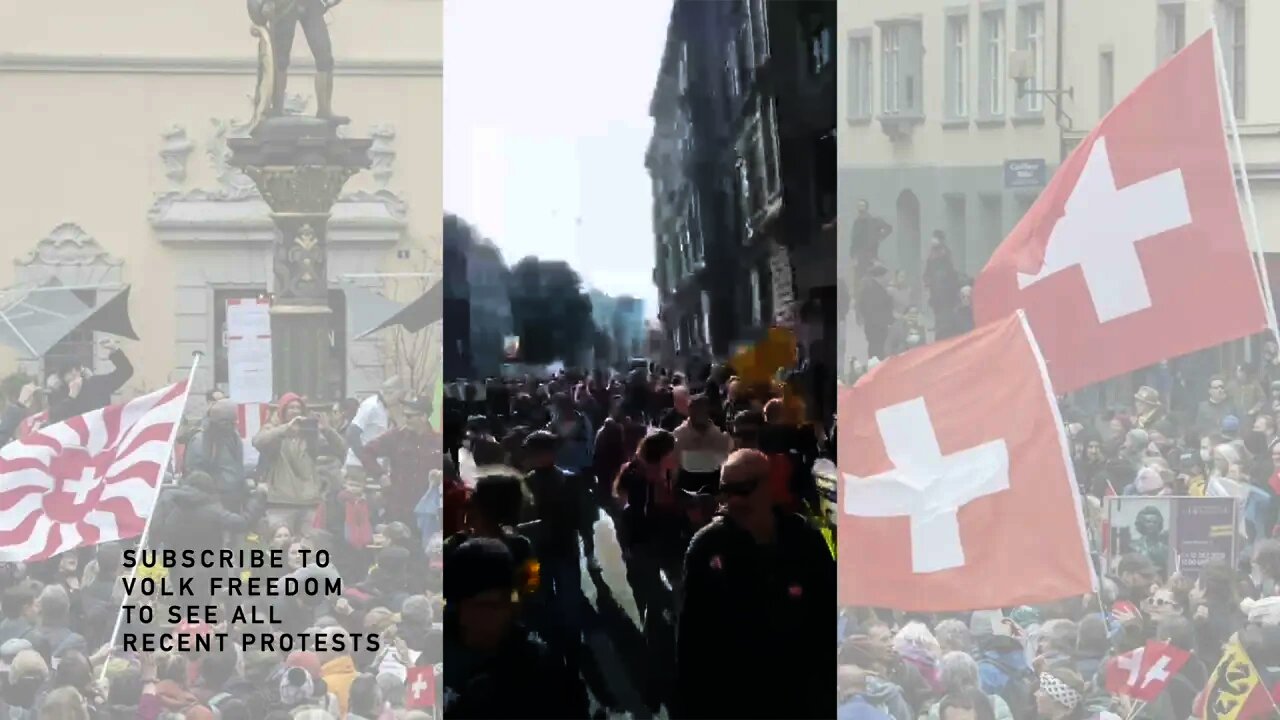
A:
{"x": 1017, "y": 689}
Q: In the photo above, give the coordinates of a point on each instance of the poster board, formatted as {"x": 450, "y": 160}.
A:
{"x": 249, "y": 376}
{"x": 1179, "y": 534}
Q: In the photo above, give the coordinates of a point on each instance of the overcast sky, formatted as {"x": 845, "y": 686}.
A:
{"x": 546, "y": 109}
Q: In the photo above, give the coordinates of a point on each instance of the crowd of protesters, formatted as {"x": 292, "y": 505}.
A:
{"x": 708, "y": 482}
{"x": 1218, "y": 440}
{"x": 352, "y": 478}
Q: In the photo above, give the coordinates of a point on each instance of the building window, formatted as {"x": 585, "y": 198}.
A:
{"x": 756, "y": 309}
{"x": 993, "y": 63}
{"x": 820, "y": 49}
{"x": 1230, "y": 16}
{"x": 958, "y": 66}
{"x": 902, "y": 55}
{"x": 732, "y": 82}
{"x": 771, "y": 172}
{"x": 1106, "y": 82}
{"x": 1031, "y": 41}
{"x": 891, "y": 55}
{"x": 760, "y": 30}
{"x": 1172, "y": 29}
{"x": 695, "y": 225}
{"x": 859, "y": 88}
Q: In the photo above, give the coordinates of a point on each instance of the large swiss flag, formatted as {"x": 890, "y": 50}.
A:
{"x": 1135, "y": 251}
{"x": 956, "y": 490}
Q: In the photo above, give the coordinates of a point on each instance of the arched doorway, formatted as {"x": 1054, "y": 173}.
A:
{"x": 909, "y": 242}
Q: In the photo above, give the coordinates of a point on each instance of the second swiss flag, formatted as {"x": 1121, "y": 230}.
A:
{"x": 1135, "y": 251}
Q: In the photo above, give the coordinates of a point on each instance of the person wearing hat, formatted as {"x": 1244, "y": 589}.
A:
{"x": 497, "y": 668}
{"x": 290, "y": 448}
{"x": 217, "y": 450}
{"x": 409, "y": 450}
{"x": 1148, "y": 408}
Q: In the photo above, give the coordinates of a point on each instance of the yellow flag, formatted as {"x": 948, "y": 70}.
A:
{"x": 1231, "y": 683}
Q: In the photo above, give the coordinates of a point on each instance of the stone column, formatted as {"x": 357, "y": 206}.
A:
{"x": 300, "y": 166}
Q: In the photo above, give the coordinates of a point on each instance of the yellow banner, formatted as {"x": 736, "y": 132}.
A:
{"x": 1231, "y": 683}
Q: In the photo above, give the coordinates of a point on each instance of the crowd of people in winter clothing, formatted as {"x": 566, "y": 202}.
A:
{"x": 692, "y": 498}
{"x": 353, "y": 478}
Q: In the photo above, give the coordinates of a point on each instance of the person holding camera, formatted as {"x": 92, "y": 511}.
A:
{"x": 293, "y": 450}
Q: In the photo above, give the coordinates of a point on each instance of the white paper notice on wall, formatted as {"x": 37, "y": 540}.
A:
{"x": 249, "y": 351}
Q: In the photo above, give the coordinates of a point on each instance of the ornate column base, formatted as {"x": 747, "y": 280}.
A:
{"x": 300, "y": 351}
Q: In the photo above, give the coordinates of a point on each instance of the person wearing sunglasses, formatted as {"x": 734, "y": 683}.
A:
{"x": 758, "y": 586}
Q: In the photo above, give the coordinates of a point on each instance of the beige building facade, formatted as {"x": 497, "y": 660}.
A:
{"x": 115, "y": 139}
{"x": 934, "y": 134}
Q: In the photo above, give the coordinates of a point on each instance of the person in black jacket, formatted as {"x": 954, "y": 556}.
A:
{"x": 86, "y": 392}
{"x": 758, "y": 588}
{"x": 564, "y": 513}
{"x": 496, "y": 668}
{"x": 875, "y": 309}
{"x": 191, "y": 517}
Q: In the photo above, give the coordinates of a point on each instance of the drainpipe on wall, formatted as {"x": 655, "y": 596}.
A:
{"x": 1062, "y": 140}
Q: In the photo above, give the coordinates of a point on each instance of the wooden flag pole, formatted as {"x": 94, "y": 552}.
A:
{"x": 1255, "y": 234}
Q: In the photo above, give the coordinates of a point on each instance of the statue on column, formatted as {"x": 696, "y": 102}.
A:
{"x": 275, "y": 23}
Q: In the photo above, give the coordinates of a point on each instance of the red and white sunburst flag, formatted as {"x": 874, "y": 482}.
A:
{"x": 89, "y": 480}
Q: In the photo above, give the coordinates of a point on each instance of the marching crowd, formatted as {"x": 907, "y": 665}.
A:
{"x": 351, "y": 478}
{"x": 1053, "y": 661}
{"x": 726, "y": 572}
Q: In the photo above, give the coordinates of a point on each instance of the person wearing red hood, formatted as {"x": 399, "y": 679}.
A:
{"x": 292, "y": 447}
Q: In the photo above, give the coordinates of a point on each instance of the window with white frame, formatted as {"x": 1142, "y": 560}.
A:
{"x": 891, "y": 69}
{"x": 1031, "y": 40}
{"x": 957, "y": 95}
{"x": 1230, "y": 16}
{"x": 859, "y": 77}
{"x": 993, "y": 64}
{"x": 902, "y": 54}
{"x": 1172, "y": 29}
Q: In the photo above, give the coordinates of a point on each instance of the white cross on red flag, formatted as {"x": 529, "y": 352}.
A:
{"x": 420, "y": 688}
{"x": 1145, "y": 672}
{"x": 88, "y": 480}
{"x": 952, "y": 459}
{"x": 1135, "y": 252}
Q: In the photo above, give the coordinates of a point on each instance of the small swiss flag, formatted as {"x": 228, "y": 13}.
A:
{"x": 951, "y": 456}
{"x": 1135, "y": 251}
{"x": 420, "y": 688}
{"x": 1144, "y": 673}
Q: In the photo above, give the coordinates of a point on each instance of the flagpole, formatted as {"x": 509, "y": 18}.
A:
{"x": 1255, "y": 235}
{"x": 146, "y": 527}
